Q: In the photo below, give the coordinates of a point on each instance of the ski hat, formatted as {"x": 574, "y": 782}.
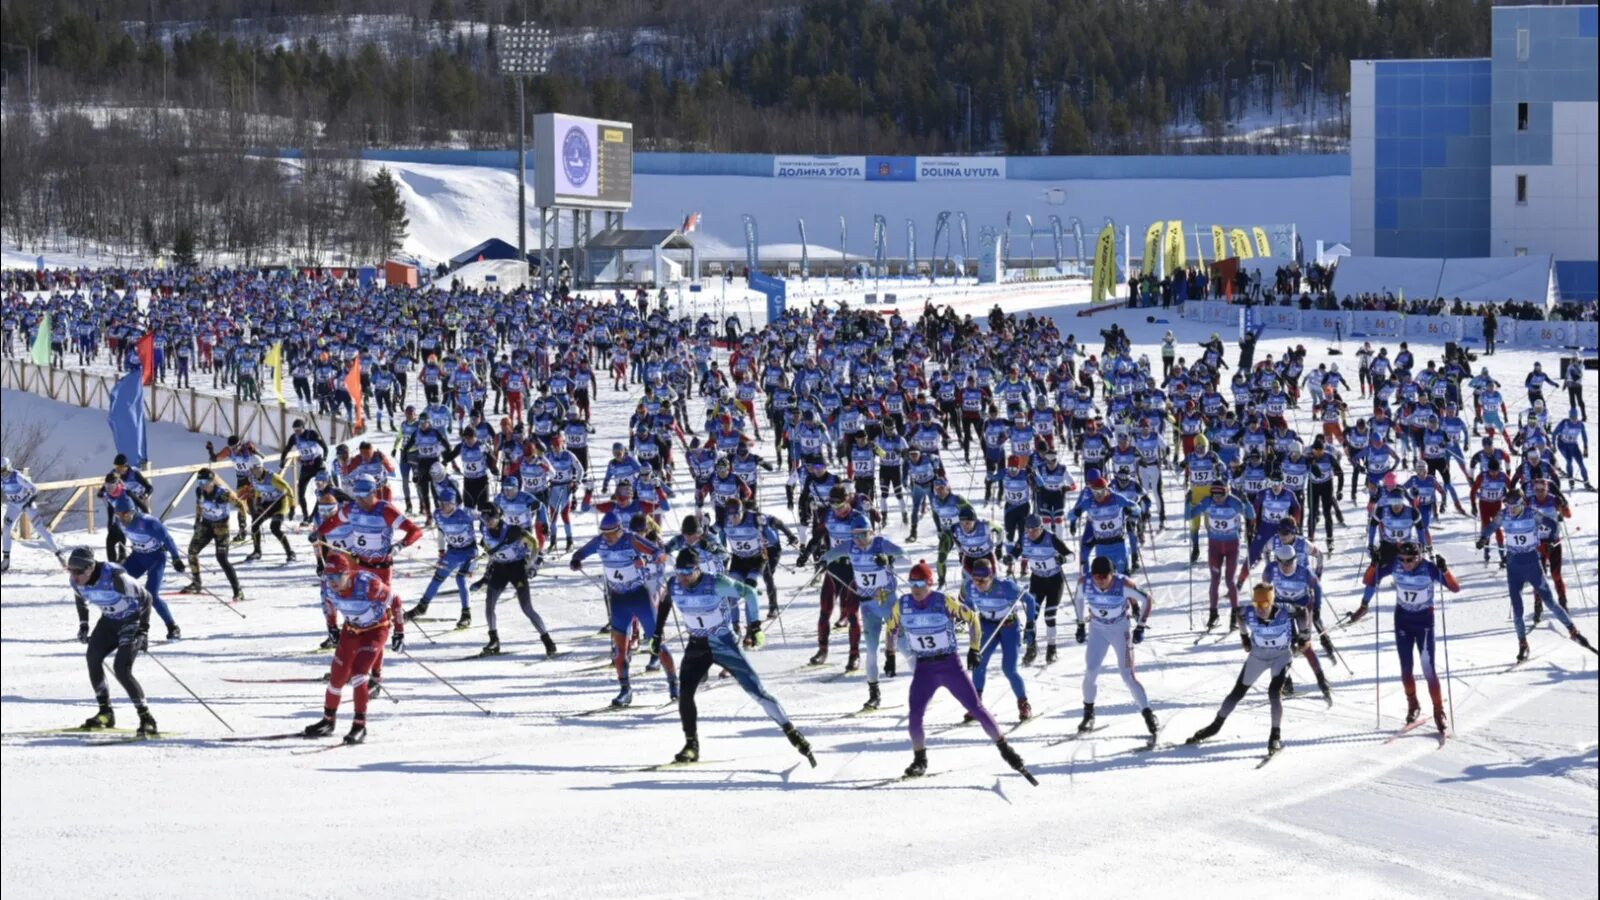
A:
{"x": 123, "y": 504}
{"x": 80, "y": 560}
{"x": 121, "y": 459}
{"x": 1285, "y": 553}
{"x": 5, "y": 463}
{"x": 860, "y": 524}
{"x": 1033, "y": 521}
{"x": 982, "y": 569}
{"x": 691, "y": 525}
{"x": 446, "y": 495}
{"x": 968, "y": 514}
{"x": 921, "y": 572}
{"x": 610, "y": 522}
{"x": 363, "y": 486}
{"x": 1389, "y": 480}
{"x": 1100, "y": 566}
{"x": 688, "y": 558}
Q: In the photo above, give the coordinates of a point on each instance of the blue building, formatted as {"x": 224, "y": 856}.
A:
{"x": 1484, "y": 157}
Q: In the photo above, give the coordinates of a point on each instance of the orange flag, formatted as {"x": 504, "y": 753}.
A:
{"x": 352, "y": 383}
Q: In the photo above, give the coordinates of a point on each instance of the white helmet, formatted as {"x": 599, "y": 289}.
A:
{"x": 5, "y": 463}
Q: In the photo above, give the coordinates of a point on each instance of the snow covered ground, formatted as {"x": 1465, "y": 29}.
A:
{"x": 445, "y": 801}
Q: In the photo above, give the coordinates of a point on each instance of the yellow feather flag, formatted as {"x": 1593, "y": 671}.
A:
{"x": 1241, "y": 244}
{"x": 1152, "y": 249}
{"x": 1104, "y": 282}
{"x": 275, "y": 360}
{"x": 1263, "y": 246}
{"x": 1177, "y": 255}
{"x": 1219, "y": 244}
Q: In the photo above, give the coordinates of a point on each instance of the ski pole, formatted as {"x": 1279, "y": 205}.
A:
{"x": 1577, "y": 570}
{"x": 1377, "y": 664}
{"x": 1449, "y": 692}
{"x": 230, "y": 606}
{"x": 442, "y": 680}
{"x": 157, "y": 660}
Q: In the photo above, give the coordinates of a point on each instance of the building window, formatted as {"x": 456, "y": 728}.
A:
{"x": 1522, "y": 45}
{"x": 1522, "y": 116}
{"x": 1522, "y": 251}
{"x": 1522, "y": 189}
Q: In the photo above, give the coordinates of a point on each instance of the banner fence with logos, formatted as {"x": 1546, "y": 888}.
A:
{"x": 1363, "y": 324}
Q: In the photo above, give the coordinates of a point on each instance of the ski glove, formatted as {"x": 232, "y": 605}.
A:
{"x": 83, "y": 632}
{"x": 141, "y": 641}
{"x": 1138, "y": 634}
{"x": 1082, "y": 634}
{"x": 655, "y": 646}
{"x": 1439, "y": 561}
{"x": 1482, "y": 543}
{"x": 398, "y": 642}
{"x": 179, "y": 566}
{"x": 752, "y": 637}
{"x": 972, "y": 659}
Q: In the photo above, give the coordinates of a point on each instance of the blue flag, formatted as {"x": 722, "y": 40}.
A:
{"x": 126, "y": 418}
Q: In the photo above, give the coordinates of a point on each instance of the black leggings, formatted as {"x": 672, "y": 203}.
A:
{"x": 273, "y": 515}
{"x": 204, "y": 534}
{"x": 118, "y": 636}
{"x": 513, "y": 575}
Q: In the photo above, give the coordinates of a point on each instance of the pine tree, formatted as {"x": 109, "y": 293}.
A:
{"x": 1069, "y": 134}
{"x": 183, "y": 247}
{"x": 390, "y": 210}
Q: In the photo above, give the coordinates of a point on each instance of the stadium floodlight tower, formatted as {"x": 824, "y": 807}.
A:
{"x": 524, "y": 51}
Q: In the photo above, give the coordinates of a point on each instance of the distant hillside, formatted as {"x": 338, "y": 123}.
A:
{"x": 832, "y": 76}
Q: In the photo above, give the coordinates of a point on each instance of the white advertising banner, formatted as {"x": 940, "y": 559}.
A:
{"x": 961, "y": 168}
{"x": 824, "y": 168}
{"x": 1377, "y": 324}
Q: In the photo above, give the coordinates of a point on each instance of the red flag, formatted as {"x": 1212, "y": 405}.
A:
{"x": 352, "y": 383}
{"x": 147, "y": 358}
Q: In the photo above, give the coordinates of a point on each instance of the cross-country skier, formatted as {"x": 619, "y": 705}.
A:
{"x": 709, "y": 610}
{"x": 123, "y": 628}
{"x": 1270, "y": 636}
{"x": 369, "y": 608}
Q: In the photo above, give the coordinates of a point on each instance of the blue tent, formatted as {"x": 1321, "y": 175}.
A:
{"x": 493, "y": 248}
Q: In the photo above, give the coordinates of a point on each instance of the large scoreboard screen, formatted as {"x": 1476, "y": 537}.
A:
{"x": 584, "y": 163}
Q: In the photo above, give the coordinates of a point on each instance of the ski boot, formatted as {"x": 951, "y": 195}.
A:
{"x": 1327, "y": 649}
{"x": 548, "y": 641}
{"x": 1325, "y": 688}
{"x": 1413, "y": 709}
{"x": 1150, "y": 721}
{"x": 1287, "y": 689}
{"x": 1030, "y": 654}
{"x": 493, "y": 647}
{"x": 800, "y": 743}
{"x": 238, "y": 595}
{"x": 105, "y": 718}
{"x": 1024, "y": 710}
{"x": 1438, "y": 720}
{"x": 1088, "y": 718}
{"x": 1538, "y": 611}
{"x": 174, "y": 632}
{"x": 464, "y": 621}
{"x": 888, "y": 666}
{"x": 772, "y": 610}
{"x": 604, "y": 629}
{"x": 1049, "y": 654}
{"x": 672, "y": 688}
{"x": 1577, "y": 638}
{"x": 653, "y": 664}
{"x": 252, "y": 556}
{"x": 147, "y": 724}
{"x": 357, "y": 733}
{"x": 421, "y": 609}
{"x": 331, "y": 641}
{"x": 1194, "y": 555}
{"x": 919, "y": 764}
{"x": 1206, "y": 733}
{"x": 193, "y": 587}
{"x": 853, "y": 663}
{"x": 374, "y": 685}
{"x": 320, "y": 728}
{"x": 1211, "y": 621}
{"x": 289, "y": 557}
{"x": 690, "y": 752}
{"x": 1012, "y": 758}
{"x": 624, "y": 697}
{"x": 1274, "y": 742}
{"x": 820, "y": 657}
{"x": 1522, "y": 651}
{"x": 1233, "y": 619}
{"x": 874, "y": 699}
{"x": 913, "y": 535}
{"x": 5, "y": 562}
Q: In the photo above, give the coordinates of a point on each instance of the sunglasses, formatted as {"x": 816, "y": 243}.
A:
{"x": 919, "y": 582}
{"x": 686, "y": 572}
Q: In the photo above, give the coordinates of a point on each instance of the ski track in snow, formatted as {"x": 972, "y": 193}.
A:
{"x": 444, "y": 801}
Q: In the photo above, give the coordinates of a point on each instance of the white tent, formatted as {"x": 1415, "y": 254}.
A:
{"x": 504, "y": 274}
{"x": 1497, "y": 279}
{"x": 1412, "y": 278}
